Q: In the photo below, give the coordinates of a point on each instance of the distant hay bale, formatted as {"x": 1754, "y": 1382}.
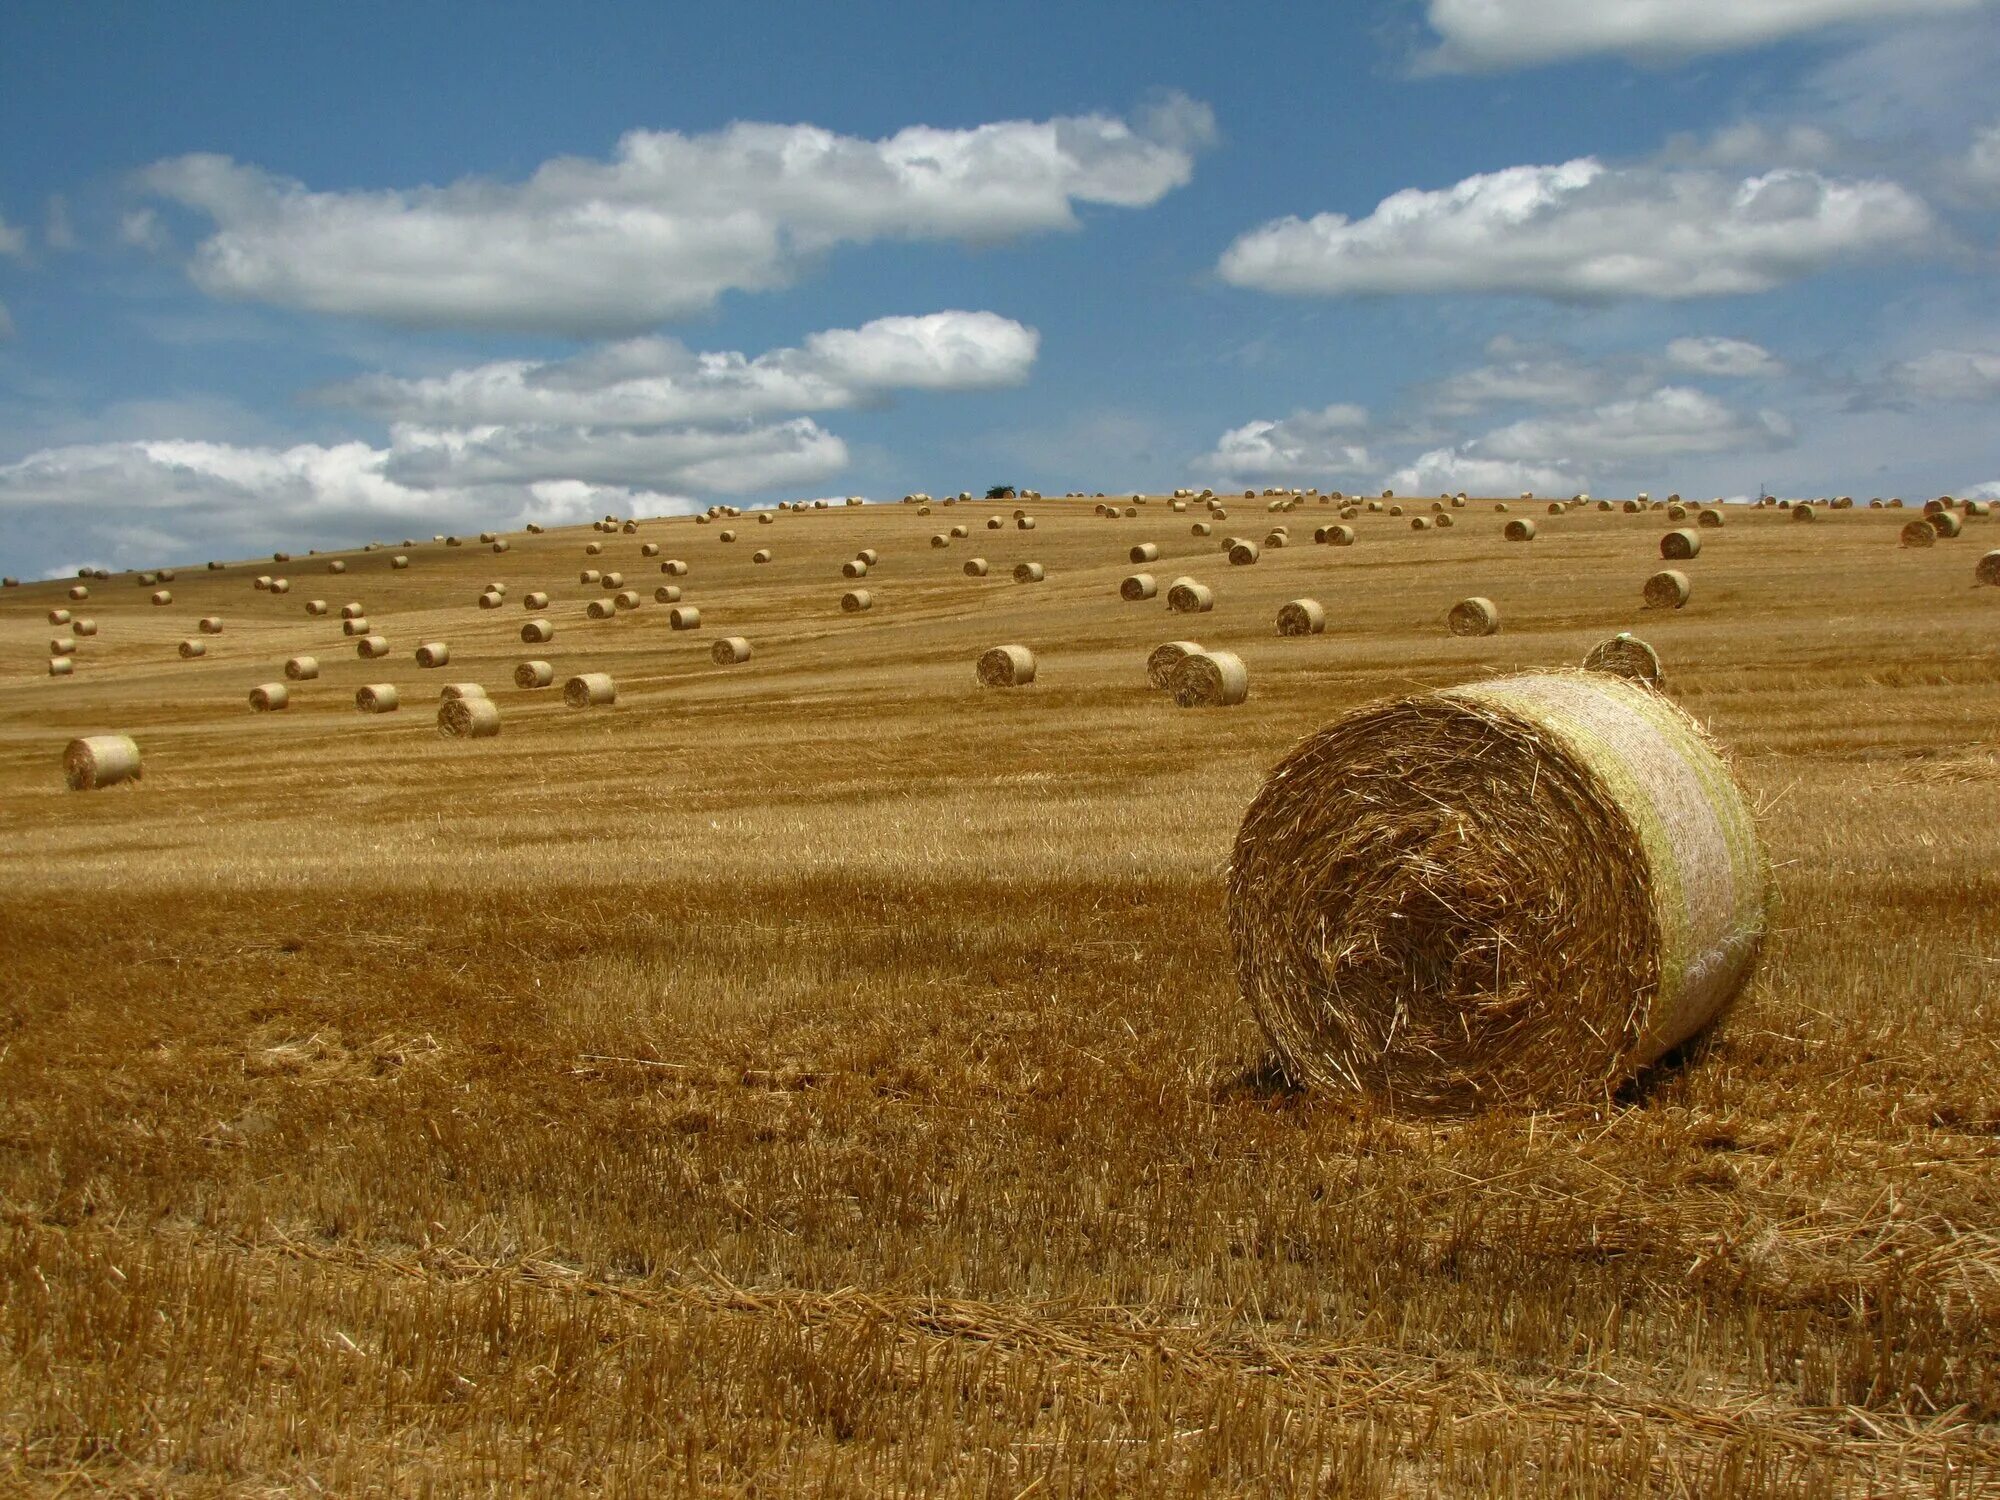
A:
{"x": 487, "y": 536}
{"x": 729, "y": 651}
{"x": 399, "y": 561}
{"x": 1202, "y": 528}
{"x": 534, "y": 674}
{"x": 939, "y": 539}
{"x": 592, "y": 549}
{"x": 649, "y": 549}
{"x": 101, "y": 760}
{"x": 534, "y": 528}
{"x": 1340, "y": 536}
{"x": 1978, "y": 508}
{"x": 854, "y": 568}
{"x": 1520, "y": 529}
{"x": 1625, "y": 655}
{"x": 1278, "y": 538}
{"x": 1186, "y": 597}
{"x": 377, "y": 698}
{"x": 469, "y": 718}
{"x": 1145, "y": 552}
{"x": 537, "y": 633}
{"x": 726, "y": 536}
{"x": 994, "y": 523}
{"x": 160, "y": 596}
{"x": 62, "y": 645}
{"x": 1556, "y": 507}
{"x": 1005, "y": 667}
{"x": 767, "y": 519}
{"x": 1804, "y": 512}
{"x": 1988, "y": 569}
{"x": 60, "y": 617}
{"x": 269, "y": 697}
{"x": 612, "y": 581}
{"x": 1518, "y": 891}
{"x": 1947, "y": 524}
{"x": 216, "y": 567}
{"x": 923, "y": 510}
{"x": 625, "y": 599}
{"x": 1474, "y": 616}
{"x": 433, "y": 654}
{"x": 1709, "y": 518}
{"x": 1420, "y": 523}
{"x": 667, "y": 593}
{"x": 1131, "y": 512}
{"x": 491, "y": 601}
{"x": 1244, "y": 553}
{"x": 673, "y": 567}
{"x": 1395, "y": 510}
{"x": 1029, "y": 572}
{"x": 590, "y": 690}
{"x": 1217, "y": 513}
{"x": 501, "y": 545}
{"x": 1162, "y": 660}
{"x": 355, "y": 625}
{"x": 461, "y": 690}
{"x": 1446, "y": 522}
{"x": 1209, "y": 679}
{"x": 316, "y": 606}
{"x": 600, "y": 609}
{"x": 336, "y": 566}
{"x": 868, "y": 555}
{"x": 192, "y": 648}
{"x": 79, "y": 592}
{"x": 1677, "y": 545}
{"x": 959, "y": 532}
{"x": 84, "y": 627}
{"x": 1677, "y": 512}
{"x": 1668, "y": 589}
{"x": 352, "y": 611}
{"x": 684, "y": 617}
{"x": 65, "y": 666}
{"x": 535, "y": 600}
{"x": 1138, "y": 586}
{"x": 301, "y": 668}
{"x": 371, "y": 647}
{"x": 281, "y": 585}
{"x": 1301, "y": 617}
{"x": 975, "y": 567}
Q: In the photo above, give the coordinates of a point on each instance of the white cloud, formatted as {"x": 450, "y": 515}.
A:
{"x": 1532, "y": 377}
{"x": 1583, "y": 230}
{"x": 1987, "y": 491}
{"x": 1669, "y": 422}
{"x": 1951, "y": 375}
{"x": 13, "y": 241}
{"x": 734, "y": 460}
{"x": 1720, "y": 356}
{"x": 665, "y": 226}
{"x": 656, "y": 381}
{"x": 1979, "y": 169}
{"x": 1754, "y": 145}
{"x": 1482, "y": 34}
{"x": 1453, "y": 469}
{"x": 142, "y": 230}
{"x": 1305, "y": 445}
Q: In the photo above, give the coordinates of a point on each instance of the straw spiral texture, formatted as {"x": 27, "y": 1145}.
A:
{"x": 1518, "y": 891}
{"x": 1520, "y": 529}
{"x": 1244, "y": 553}
{"x": 625, "y": 599}
{"x": 1186, "y": 597}
{"x": 469, "y": 718}
{"x": 1474, "y": 616}
{"x": 302, "y": 668}
{"x": 1209, "y": 679}
{"x": 1919, "y": 534}
{"x": 1676, "y": 545}
{"x": 1301, "y": 617}
{"x": 377, "y": 698}
{"x": 1668, "y": 589}
{"x": 269, "y": 697}
{"x": 1162, "y": 660}
{"x": 99, "y": 760}
{"x": 1625, "y": 655}
{"x": 590, "y": 690}
{"x": 729, "y": 651}
{"x": 1005, "y": 666}
{"x": 600, "y": 609}
{"x": 534, "y": 674}
{"x": 684, "y": 617}
{"x": 1138, "y": 586}
{"x": 667, "y": 593}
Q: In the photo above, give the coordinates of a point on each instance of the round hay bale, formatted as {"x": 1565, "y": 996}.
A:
{"x": 1678, "y": 545}
{"x": 65, "y": 666}
{"x": 355, "y": 626}
{"x": 352, "y": 612}
{"x": 461, "y": 690}
{"x": 491, "y": 600}
{"x": 79, "y": 592}
{"x": 761, "y": 555}
{"x": 1340, "y": 536}
{"x": 1978, "y": 508}
{"x": 590, "y": 690}
{"x": 62, "y": 645}
{"x": 1710, "y": 518}
{"x": 1029, "y": 572}
{"x": 1162, "y": 660}
{"x": 537, "y": 633}
{"x": 371, "y": 647}
{"x": 84, "y": 627}
{"x": 767, "y": 520}
{"x": 399, "y": 562}
{"x": 316, "y": 607}
{"x": 101, "y": 760}
{"x": 1217, "y": 513}
{"x": 975, "y": 567}
{"x": 469, "y": 718}
{"x": 160, "y": 596}
{"x": 500, "y": 544}
{"x": 1395, "y": 510}
{"x": 726, "y": 536}
{"x": 281, "y": 585}
{"x": 1667, "y": 589}
{"x": 625, "y": 599}
{"x": 301, "y": 668}
{"x": 854, "y": 601}
{"x": 1278, "y": 538}
{"x": 377, "y": 698}
{"x": 269, "y": 697}
{"x": 611, "y": 582}
{"x": 1420, "y": 523}
{"x": 599, "y": 609}
{"x": 1209, "y": 679}
{"x": 730, "y": 650}
{"x": 994, "y": 523}
{"x": 1145, "y": 552}
{"x": 192, "y": 648}
{"x": 1138, "y": 586}
{"x": 487, "y": 536}
{"x": 1202, "y": 528}
{"x": 854, "y": 568}
{"x": 1677, "y": 513}
{"x": 433, "y": 654}
{"x": 1919, "y": 534}
{"x": 1445, "y": 522}
{"x": 215, "y": 566}
{"x": 535, "y": 600}
{"x": 1186, "y": 597}
{"x": 667, "y": 593}
{"x": 1005, "y": 667}
{"x": 336, "y": 566}
{"x": 1517, "y": 891}
{"x": 1243, "y": 553}
{"x": 1947, "y": 523}
{"x": 1988, "y": 569}
{"x": 1805, "y": 512}
{"x": 1474, "y": 616}
{"x": 684, "y": 617}
{"x": 534, "y": 674}
{"x": 1520, "y": 529}
{"x": 1625, "y": 655}
{"x": 960, "y": 532}
{"x": 939, "y": 539}
{"x": 673, "y": 567}
{"x": 1556, "y": 507}
{"x": 593, "y": 549}
{"x": 649, "y": 549}
{"x": 60, "y": 617}
{"x": 1301, "y": 617}
{"x": 1025, "y": 523}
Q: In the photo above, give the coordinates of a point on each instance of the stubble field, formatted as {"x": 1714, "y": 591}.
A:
{"x": 824, "y": 1075}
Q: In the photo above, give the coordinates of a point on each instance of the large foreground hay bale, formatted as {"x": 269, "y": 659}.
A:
{"x": 99, "y": 760}
{"x": 534, "y": 674}
{"x": 1005, "y": 666}
{"x": 1625, "y": 655}
{"x": 1138, "y": 586}
{"x": 1517, "y": 891}
{"x": 1301, "y": 617}
{"x": 1160, "y": 663}
{"x": 1209, "y": 679}
{"x": 1677, "y": 545}
{"x": 469, "y": 718}
{"x": 1474, "y": 616}
{"x": 590, "y": 690}
{"x": 729, "y": 651}
{"x": 1668, "y": 589}
{"x": 301, "y": 668}
{"x": 1919, "y": 534}
{"x": 1988, "y": 570}
{"x": 377, "y": 698}
{"x": 269, "y": 697}
{"x": 1186, "y": 597}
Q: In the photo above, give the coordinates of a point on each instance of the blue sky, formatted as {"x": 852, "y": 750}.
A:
{"x": 289, "y": 276}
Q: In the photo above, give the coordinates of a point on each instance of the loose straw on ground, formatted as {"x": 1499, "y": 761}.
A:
{"x": 1518, "y": 891}
{"x": 101, "y": 760}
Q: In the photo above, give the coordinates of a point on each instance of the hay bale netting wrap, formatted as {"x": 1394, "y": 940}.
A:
{"x": 1520, "y": 529}
{"x": 1209, "y": 679}
{"x": 1919, "y": 534}
{"x": 1301, "y": 617}
{"x": 1005, "y": 667}
{"x": 101, "y": 760}
{"x": 1668, "y": 589}
{"x": 469, "y": 718}
{"x": 1474, "y": 616}
{"x": 1988, "y": 570}
{"x": 1520, "y": 890}
{"x": 269, "y": 697}
{"x": 1186, "y": 597}
{"x": 1138, "y": 586}
{"x": 1029, "y": 572}
{"x": 1684, "y": 543}
{"x": 534, "y": 674}
{"x": 377, "y": 698}
{"x": 729, "y": 651}
{"x": 301, "y": 668}
{"x": 590, "y": 690}
{"x": 434, "y": 654}
{"x": 1625, "y": 655}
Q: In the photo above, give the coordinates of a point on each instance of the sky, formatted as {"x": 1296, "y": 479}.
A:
{"x": 290, "y": 276}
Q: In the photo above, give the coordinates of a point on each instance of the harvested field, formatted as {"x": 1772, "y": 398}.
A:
{"x": 831, "y": 1075}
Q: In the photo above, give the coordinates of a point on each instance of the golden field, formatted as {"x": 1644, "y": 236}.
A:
{"x": 822, "y": 1075}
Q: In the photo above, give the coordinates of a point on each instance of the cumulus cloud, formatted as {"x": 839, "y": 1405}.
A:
{"x": 668, "y": 224}
{"x": 1531, "y": 377}
{"x": 1452, "y": 469}
{"x": 1492, "y": 34}
{"x": 1738, "y": 358}
{"x": 1950, "y": 375}
{"x": 1672, "y": 421}
{"x": 1307, "y": 444}
{"x": 1582, "y": 230}
{"x": 657, "y": 381}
